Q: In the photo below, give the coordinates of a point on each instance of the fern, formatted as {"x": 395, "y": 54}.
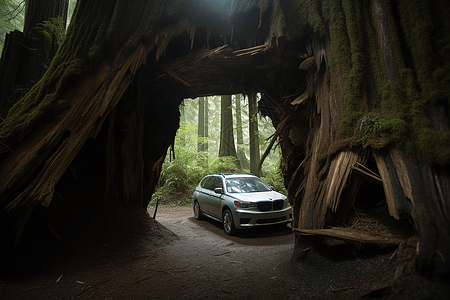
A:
{"x": 370, "y": 124}
{"x": 53, "y": 30}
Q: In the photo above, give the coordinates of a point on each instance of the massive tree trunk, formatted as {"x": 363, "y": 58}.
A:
{"x": 81, "y": 134}
{"x": 369, "y": 97}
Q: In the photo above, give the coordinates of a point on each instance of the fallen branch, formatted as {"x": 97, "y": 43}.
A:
{"x": 366, "y": 172}
{"x": 351, "y": 235}
{"x": 266, "y": 153}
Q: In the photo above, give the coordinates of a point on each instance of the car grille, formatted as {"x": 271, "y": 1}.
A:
{"x": 272, "y": 220}
{"x": 264, "y": 205}
{"x": 278, "y": 204}
{"x": 269, "y": 205}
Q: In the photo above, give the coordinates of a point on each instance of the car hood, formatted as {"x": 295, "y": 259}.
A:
{"x": 258, "y": 196}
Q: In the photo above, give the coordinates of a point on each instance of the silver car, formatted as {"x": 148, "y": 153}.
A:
{"x": 239, "y": 201}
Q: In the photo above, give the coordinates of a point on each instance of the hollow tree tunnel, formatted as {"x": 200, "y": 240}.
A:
{"x": 94, "y": 131}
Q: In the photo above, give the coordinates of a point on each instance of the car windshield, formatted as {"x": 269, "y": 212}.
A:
{"x": 246, "y": 185}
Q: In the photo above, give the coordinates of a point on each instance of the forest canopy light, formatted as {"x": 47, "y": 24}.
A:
{"x": 209, "y": 9}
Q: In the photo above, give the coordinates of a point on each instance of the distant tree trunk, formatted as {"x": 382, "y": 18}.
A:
{"x": 206, "y": 123}
{"x": 26, "y": 55}
{"x": 201, "y": 124}
{"x": 253, "y": 134}
{"x": 227, "y": 146}
{"x": 240, "y": 135}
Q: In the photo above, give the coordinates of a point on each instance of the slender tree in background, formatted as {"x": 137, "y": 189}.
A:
{"x": 240, "y": 135}
{"x": 206, "y": 125}
{"x": 253, "y": 134}
{"x": 227, "y": 146}
{"x": 201, "y": 124}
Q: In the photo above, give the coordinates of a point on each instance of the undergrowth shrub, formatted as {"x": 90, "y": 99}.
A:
{"x": 273, "y": 176}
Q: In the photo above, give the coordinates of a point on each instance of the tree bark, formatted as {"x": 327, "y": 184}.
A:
{"x": 201, "y": 124}
{"x": 240, "y": 135}
{"x": 206, "y": 124}
{"x": 29, "y": 54}
{"x": 227, "y": 147}
{"x": 253, "y": 134}
{"x": 365, "y": 57}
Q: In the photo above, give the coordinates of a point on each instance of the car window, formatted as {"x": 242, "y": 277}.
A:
{"x": 246, "y": 185}
{"x": 218, "y": 183}
{"x": 207, "y": 183}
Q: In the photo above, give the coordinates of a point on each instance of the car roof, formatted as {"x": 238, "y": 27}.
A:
{"x": 233, "y": 175}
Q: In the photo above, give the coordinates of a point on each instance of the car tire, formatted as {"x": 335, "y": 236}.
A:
{"x": 197, "y": 211}
{"x": 228, "y": 222}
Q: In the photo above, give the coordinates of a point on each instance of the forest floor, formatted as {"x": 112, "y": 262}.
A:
{"x": 178, "y": 257}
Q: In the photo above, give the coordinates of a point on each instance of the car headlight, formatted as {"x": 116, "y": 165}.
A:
{"x": 243, "y": 204}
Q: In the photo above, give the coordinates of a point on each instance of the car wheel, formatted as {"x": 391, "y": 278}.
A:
{"x": 197, "y": 211}
{"x": 228, "y": 223}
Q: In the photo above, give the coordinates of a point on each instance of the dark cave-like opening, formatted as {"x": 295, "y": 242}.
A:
{"x": 370, "y": 209}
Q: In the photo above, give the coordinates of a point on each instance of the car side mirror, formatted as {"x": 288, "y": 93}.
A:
{"x": 218, "y": 190}
{"x": 272, "y": 188}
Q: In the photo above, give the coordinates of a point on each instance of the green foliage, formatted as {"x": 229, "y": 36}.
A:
{"x": 223, "y": 165}
{"x": 394, "y": 131}
{"x": 370, "y": 124}
{"x": 435, "y": 145}
{"x": 274, "y": 177}
{"x": 181, "y": 175}
{"x": 53, "y": 29}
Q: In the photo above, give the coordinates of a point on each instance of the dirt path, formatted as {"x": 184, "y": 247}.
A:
{"x": 198, "y": 262}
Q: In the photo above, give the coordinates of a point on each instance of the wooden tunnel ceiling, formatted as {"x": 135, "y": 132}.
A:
{"x": 206, "y": 62}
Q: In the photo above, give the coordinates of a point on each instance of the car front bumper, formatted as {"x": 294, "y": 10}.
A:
{"x": 249, "y": 218}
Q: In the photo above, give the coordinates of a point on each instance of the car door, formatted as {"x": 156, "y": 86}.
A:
{"x": 204, "y": 194}
{"x": 216, "y": 198}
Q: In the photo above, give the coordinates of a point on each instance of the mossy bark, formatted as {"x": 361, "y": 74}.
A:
{"x": 27, "y": 55}
{"x": 46, "y": 130}
{"x": 382, "y": 58}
